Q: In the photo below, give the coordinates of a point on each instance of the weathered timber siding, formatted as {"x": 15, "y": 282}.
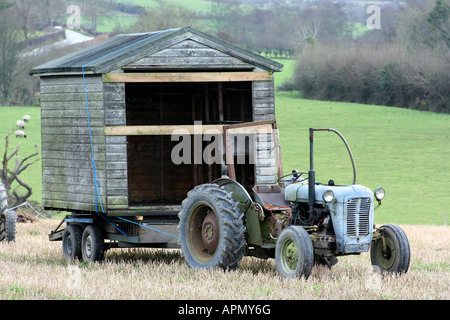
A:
{"x": 264, "y": 109}
{"x": 116, "y": 146}
{"x": 193, "y": 54}
{"x": 190, "y": 54}
{"x": 67, "y": 169}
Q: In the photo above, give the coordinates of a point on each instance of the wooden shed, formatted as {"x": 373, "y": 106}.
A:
{"x": 117, "y": 103}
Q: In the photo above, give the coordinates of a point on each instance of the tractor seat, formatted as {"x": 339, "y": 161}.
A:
{"x": 271, "y": 197}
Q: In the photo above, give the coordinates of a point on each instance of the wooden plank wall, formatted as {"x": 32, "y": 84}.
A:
{"x": 190, "y": 54}
{"x": 264, "y": 109}
{"x": 67, "y": 170}
{"x": 116, "y": 146}
{"x": 195, "y": 54}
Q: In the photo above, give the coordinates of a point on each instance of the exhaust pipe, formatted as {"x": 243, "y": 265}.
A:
{"x": 312, "y": 173}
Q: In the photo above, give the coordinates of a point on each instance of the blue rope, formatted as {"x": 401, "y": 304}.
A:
{"x": 96, "y": 189}
{"x": 139, "y": 224}
{"x": 92, "y": 147}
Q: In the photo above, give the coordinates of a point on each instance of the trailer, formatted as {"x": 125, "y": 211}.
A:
{"x": 114, "y": 113}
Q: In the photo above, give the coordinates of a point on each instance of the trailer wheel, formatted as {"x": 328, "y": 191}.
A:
{"x": 211, "y": 228}
{"x": 294, "y": 253}
{"x": 92, "y": 244}
{"x": 395, "y": 255}
{"x": 8, "y": 218}
{"x": 8, "y": 226}
{"x": 71, "y": 242}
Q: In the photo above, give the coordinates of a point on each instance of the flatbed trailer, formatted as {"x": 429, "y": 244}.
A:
{"x": 88, "y": 236}
{"x": 120, "y": 232}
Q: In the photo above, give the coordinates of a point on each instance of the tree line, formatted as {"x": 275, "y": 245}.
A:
{"x": 338, "y": 57}
{"x": 405, "y": 63}
{"x": 272, "y": 29}
{"x": 276, "y": 29}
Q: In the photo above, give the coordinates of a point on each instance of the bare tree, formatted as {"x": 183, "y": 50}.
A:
{"x": 25, "y": 14}
{"x": 309, "y": 25}
{"x": 323, "y": 20}
{"x": 166, "y": 16}
{"x": 10, "y": 48}
{"x": 48, "y": 10}
{"x": 94, "y": 11}
{"x": 219, "y": 11}
{"x": 8, "y": 176}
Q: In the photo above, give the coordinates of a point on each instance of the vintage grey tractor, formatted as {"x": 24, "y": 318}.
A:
{"x": 299, "y": 222}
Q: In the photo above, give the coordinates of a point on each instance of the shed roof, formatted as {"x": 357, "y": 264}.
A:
{"x": 126, "y": 48}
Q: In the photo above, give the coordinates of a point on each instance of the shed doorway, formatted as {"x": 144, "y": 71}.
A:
{"x": 153, "y": 179}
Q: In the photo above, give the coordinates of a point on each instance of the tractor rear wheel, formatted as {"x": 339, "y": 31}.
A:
{"x": 8, "y": 218}
{"x": 294, "y": 253}
{"x": 391, "y": 252}
{"x": 211, "y": 228}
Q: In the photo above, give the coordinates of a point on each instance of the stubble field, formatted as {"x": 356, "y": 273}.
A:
{"x": 34, "y": 268}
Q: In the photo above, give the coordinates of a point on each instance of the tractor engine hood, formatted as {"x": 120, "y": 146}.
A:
{"x": 299, "y": 192}
{"x": 351, "y": 209}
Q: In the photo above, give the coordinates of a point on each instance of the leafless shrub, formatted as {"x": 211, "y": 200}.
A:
{"x": 384, "y": 74}
{"x": 10, "y": 175}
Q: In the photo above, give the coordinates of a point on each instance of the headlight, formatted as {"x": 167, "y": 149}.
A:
{"x": 379, "y": 193}
{"x": 328, "y": 196}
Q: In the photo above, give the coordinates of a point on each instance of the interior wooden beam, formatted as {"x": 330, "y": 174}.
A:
{"x": 229, "y": 157}
{"x": 186, "y": 129}
{"x": 187, "y": 76}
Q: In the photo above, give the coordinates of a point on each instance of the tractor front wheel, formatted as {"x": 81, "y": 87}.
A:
{"x": 211, "y": 228}
{"x": 294, "y": 253}
{"x": 391, "y": 252}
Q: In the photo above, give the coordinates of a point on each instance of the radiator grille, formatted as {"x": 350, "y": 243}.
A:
{"x": 358, "y": 210}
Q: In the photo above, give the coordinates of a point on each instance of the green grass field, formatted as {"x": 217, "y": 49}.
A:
{"x": 405, "y": 151}
{"x": 9, "y": 116}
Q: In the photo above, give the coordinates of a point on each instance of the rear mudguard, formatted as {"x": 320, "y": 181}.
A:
{"x": 246, "y": 206}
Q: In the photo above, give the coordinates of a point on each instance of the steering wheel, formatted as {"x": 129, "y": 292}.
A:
{"x": 295, "y": 174}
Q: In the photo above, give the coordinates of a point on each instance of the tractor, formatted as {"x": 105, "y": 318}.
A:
{"x": 298, "y": 221}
